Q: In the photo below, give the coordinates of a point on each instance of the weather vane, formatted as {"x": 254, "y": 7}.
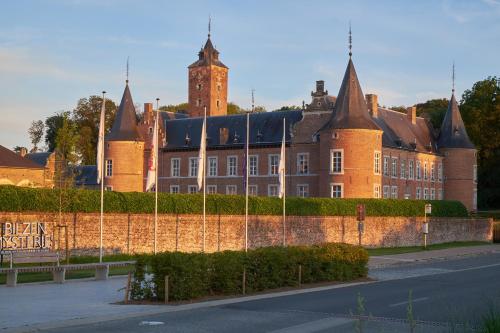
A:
{"x": 209, "y": 23}
{"x": 253, "y": 101}
{"x": 127, "y": 69}
{"x": 453, "y": 78}
{"x": 350, "y": 40}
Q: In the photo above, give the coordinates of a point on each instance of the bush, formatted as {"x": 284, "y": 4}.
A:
{"x": 195, "y": 275}
{"x": 17, "y": 199}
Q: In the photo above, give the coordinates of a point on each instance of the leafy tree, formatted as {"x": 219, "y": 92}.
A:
{"x": 434, "y": 110}
{"x": 36, "y": 133}
{"x": 400, "y": 108}
{"x": 66, "y": 140}
{"x": 289, "y": 108}
{"x": 86, "y": 118}
{"x": 52, "y": 125}
{"x": 17, "y": 149}
{"x": 480, "y": 108}
{"x": 175, "y": 107}
{"x": 232, "y": 108}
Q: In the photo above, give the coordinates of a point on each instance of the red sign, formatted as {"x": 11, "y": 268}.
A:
{"x": 360, "y": 210}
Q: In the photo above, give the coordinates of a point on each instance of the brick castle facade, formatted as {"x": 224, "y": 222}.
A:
{"x": 344, "y": 147}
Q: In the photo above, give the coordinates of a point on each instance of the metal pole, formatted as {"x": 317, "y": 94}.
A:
{"x": 284, "y": 186}
{"x": 425, "y": 234}
{"x": 155, "y": 145}
{"x": 246, "y": 182}
{"x": 101, "y": 219}
{"x": 204, "y": 180}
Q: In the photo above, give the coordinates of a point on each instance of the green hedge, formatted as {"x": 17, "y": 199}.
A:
{"x": 195, "y": 275}
{"x": 16, "y": 199}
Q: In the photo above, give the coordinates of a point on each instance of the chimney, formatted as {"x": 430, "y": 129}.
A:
{"x": 148, "y": 111}
{"x": 372, "y": 103}
{"x": 23, "y": 151}
{"x": 411, "y": 113}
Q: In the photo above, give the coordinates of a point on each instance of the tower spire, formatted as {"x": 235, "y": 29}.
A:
{"x": 350, "y": 40}
{"x": 127, "y": 71}
{"x": 453, "y": 78}
{"x": 253, "y": 101}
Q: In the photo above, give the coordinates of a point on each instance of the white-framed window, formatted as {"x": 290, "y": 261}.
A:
{"x": 232, "y": 165}
{"x": 410, "y": 169}
{"x": 394, "y": 169}
{"x": 418, "y": 171}
{"x": 193, "y": 167}
{"x": 386, "y": 165}
{"x": 426, "y": 193}
{"x": 376, "y": 191}
{"x": 231, "y": 189}
{"x": 174, "y": 189}
{"x": 474, "y": 173}
{"x": 440, "y": 194}
{"x": 418, "y": 193}
{"x": 440, "y": 172}
{"x": 175, "y": 167}
{"x": 303, "y": 163}
{"x": 212, "y": 166}
{"x": 253, "y": 190}
{"x": 253, "y": 160}
{"x": 426, "y": 171}
{"x": 272, "y": 190}
{"x": 108, "y": 188}
{"x": 336, "y": 161}
{"x": 403, "y": 169}
{"x": 303, "y": 190}
{"x": 211, "y": 189}
{"x": 433, "y": 193}
{"x": 376, "y": 162}
{"x": 274, "y": 161}
{"x": 109, "y": 168}
{"x": 394, "y": 192}
{"x": 337, "y": 190}
{"x": 387, "y": 195}
{"x": 192, "y": 189}
{"x": 433, "y": 172}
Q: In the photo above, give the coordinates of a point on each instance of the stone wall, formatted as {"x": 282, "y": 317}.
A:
{"x": 133, "y": 233}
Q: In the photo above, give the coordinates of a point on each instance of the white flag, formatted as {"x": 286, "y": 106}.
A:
{"x": 203, "y": 154}
{"x": 281, "y": 166}
{"x": 153, "y": 159}
{"x": 100, "y": 143}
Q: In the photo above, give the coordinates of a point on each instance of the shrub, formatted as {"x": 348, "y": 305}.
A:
{"x": 195, "y": 275}
{"x": 16, "y": 199}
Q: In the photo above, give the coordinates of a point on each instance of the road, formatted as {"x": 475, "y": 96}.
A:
{"x": 452, "y": 291}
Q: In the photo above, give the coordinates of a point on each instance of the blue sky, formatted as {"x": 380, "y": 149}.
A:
{"x": 53, "y": 52}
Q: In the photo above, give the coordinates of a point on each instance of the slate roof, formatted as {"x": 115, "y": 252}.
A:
{"x": 208, "y": 55}
{"x": 125, "y": 124}
{"x": 10, "y": 159}
{"x": 453, "y": 133}
{"x": 85, "y": 175}
{"x": 39, "y": 158}
{"x": 399, "y": 132}
{"x": 266, "y": 128}
{"x": 350, "y": 110}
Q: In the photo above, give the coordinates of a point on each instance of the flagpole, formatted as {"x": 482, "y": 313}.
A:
{"x": 155, "y": 145}
{"x": 204, "y": 179}
{"x": 246, "y": 181}
{"x": 102, "y": 182}
{"x": 284, "y": 185}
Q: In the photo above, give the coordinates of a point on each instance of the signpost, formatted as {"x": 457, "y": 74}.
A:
{"x": 360, "y": 212}
{"x": 425, "y": 227}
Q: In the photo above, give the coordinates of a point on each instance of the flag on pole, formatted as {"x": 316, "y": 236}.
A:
{"x": 153, "y": 158}
{"x": 202, "y": 154}
{"x": 100, "y": 143}
{"x": 281, "y": 166}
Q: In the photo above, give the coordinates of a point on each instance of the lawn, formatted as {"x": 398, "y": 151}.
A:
{"x": 409, "y": 249}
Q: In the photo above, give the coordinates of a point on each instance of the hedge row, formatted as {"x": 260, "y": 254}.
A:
{"x": 195, "y": 275}
{"x": 16, "y": 199}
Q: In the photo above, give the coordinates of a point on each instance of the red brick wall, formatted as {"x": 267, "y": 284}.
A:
{"x": 459, "y": 170}
{"x": 133, "y": 233}
{"x": 211, "y": 78}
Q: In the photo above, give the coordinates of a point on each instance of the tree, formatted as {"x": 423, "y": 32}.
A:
{"x": 36, "y": 133}
{"x": 18, "y": 149}
{"x": 66, "y": 140}
{"x": 400, "y": 108}
{"x": 52, "y": 125}
{"x": 289, "y": 108}
{"x": 434, "y": 110}
{"x": 480, "y": 108}
{"x": 232, "y": 108}
{"x": 86, "y": 118}
{"x": 175, "y": 107}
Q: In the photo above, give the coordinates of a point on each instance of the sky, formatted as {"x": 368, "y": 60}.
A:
{"x": 54, "y": 52}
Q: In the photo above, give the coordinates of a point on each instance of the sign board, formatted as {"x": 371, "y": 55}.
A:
{"x": 360, "y": 211}
{"x": 24, "y": 236}
{"x": 428, "y": 209}
{"x": 425, "y": 228}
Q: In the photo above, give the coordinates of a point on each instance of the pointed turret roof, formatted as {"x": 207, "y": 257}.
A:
{"x": 125, "y": 124}
{"x": 453, "y": 133}
{"x": 208, "y": 55}
{"x": 350, "y": 110}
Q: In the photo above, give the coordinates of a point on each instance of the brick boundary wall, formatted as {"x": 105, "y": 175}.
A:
{"x": 133, "y": 233}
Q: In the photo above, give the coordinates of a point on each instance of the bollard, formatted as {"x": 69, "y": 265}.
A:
{"x": 244, "y": 282}
{"x": 166, "y": 289}
{"x": 127, "y": 287}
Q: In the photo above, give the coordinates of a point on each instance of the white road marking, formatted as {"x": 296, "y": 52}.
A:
{"x": 406, "y": 302}
{"x": 151, "y": 323}
{"x": 394, "y": 259}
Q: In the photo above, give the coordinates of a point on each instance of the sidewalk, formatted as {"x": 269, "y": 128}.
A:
{"x": 423, "y": 256}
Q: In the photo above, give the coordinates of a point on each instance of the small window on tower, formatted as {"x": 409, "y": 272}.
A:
{"x": 150, "y": 130}
{"x": 198, "y": 102}
{"x": 199, "y": 86}
{"x": 218, "y": 87}
{"x": 218, "y": 103}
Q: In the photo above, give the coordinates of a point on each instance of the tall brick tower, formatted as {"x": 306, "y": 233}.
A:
{"x": 350, "y": 138}
{"x": 124, "y": 149}
{"x": 208, "y": 83}
{"x": 460, "y": 158}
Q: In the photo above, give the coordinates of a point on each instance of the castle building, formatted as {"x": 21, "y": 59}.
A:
{"x": 341, "y": 147}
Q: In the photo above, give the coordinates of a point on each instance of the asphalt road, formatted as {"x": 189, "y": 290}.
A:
{"x": 455, "y": 291}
